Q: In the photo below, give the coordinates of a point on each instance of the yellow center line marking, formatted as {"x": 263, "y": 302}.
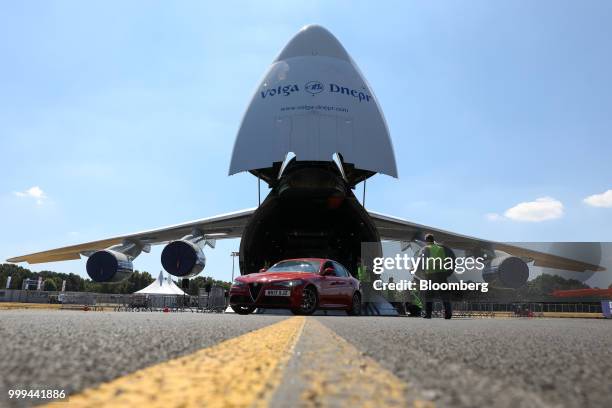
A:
{"x": 240, "y": 372}
{"x": 334, "y": 373}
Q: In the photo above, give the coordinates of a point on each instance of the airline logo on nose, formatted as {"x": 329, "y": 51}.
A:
{"x": 313, "y": 87}
{"x": 316, "y": 87}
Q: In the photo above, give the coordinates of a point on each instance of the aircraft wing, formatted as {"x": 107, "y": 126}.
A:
{"x": 397, "y": 229}
{"x": 217, "y": 227}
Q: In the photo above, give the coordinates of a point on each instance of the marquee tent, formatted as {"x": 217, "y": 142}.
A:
{"x": 162, "y": 286}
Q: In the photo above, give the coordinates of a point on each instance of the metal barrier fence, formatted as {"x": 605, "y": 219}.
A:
{"x": 571, "y": 307}
{"x": 518, "y": 309}
{"x": 25, "y": 296}
{"x": 178, "y": 303}
{"x": 214, "y": 301}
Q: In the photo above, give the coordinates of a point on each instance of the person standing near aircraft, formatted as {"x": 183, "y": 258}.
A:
{"x": 396, "y": 298}
{"x": 361, "y": 272}
{"x": 365, "y": 284}
{"x": 434, "y": 256}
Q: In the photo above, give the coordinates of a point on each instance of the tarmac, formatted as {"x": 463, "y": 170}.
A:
{"x": 195, "y": 359}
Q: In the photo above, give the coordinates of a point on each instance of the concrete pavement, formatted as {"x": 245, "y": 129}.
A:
{"x": 262, "y": 360}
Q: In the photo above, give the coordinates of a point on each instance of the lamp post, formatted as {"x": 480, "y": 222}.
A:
{"x": 234, "y": 255}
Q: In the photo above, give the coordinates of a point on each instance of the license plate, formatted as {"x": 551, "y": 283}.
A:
{"x": 271, "y": 292}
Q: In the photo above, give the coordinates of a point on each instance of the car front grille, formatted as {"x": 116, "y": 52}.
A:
{"x": 254, "y": 289}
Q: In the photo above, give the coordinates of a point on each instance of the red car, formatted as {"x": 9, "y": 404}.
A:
{"x": 302, "y": 285}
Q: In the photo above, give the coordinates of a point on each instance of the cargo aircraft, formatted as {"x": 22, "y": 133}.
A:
{"x": 313, "y": 130}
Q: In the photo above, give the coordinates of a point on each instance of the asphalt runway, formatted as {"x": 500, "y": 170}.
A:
{"x": 312, "y": 361}
{"x": 509, "y": 362}
{"x": 72, "y": 350}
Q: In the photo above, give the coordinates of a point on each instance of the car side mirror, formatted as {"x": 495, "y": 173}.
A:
{"x": 262, "y": 270}
{"x": 328, "y": 271}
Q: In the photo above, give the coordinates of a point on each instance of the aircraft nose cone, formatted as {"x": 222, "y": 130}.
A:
{"x": 313, "y": 40}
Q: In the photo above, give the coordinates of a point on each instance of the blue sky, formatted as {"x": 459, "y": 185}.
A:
{"x": 124, "y": 115}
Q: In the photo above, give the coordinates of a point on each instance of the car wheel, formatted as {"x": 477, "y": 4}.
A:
{"x": 355, "y": 309}
{"x": 243, "y": 310}
{"x": 309, "y": 303}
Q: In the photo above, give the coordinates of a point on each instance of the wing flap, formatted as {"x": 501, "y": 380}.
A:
{"x": 42, "y": 257}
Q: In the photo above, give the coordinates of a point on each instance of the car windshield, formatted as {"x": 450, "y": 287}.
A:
{"x": 298, "y": 265}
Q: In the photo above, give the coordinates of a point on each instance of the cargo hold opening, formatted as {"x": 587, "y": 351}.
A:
{"x": 310, "y": 212}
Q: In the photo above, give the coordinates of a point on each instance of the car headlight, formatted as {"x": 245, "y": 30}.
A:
{"x": 238, "y": 283}
{"x": 290, "y": 283}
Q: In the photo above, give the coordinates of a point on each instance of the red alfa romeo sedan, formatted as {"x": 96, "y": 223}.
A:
{"x": 302, "y": 285}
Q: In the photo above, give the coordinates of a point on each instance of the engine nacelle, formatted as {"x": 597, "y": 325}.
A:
{"x": 109, "y": 266}
{"x": 183, "y": 259}
{"x": 506, "y": 272}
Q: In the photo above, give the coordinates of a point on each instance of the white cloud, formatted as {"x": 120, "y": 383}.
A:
{"x": 600, "y": 200}
{"x": 34, "y": 192}
{"x": 493, "y": 217}
{"x": 542, "y": 209}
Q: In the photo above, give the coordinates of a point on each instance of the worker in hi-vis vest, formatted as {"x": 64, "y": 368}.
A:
{"x": 362, "y": 273}
{"x": 434, "y": 256}
{"x": 365, "y": 284}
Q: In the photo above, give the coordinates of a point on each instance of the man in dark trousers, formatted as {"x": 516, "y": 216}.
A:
{"x": 434, "y": 271}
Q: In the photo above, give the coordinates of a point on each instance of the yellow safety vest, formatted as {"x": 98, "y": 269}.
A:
{"x": 434, "y": 263}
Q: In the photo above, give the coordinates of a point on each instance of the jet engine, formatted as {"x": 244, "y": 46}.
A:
{"x": 109, "y": 266}
{"x": 183, "y": 258}
{"x": 506, "y": 272}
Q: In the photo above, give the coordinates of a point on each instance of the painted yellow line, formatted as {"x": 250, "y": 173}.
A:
{"x": 297, "y": 362}
{"x": 17, "y": 305}
{"x": 334, "y": 373}
{"x": 579, "y": 315}
{"x": 240, "y": 372}
{"x": 53, "y": 306}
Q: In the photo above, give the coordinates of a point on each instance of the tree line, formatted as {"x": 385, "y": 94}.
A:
{"x": 52, "y": 281}
{"x": 538, "y": 289}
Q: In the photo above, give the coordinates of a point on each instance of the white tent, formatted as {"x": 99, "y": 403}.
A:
{"x": 162, "y": 286}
